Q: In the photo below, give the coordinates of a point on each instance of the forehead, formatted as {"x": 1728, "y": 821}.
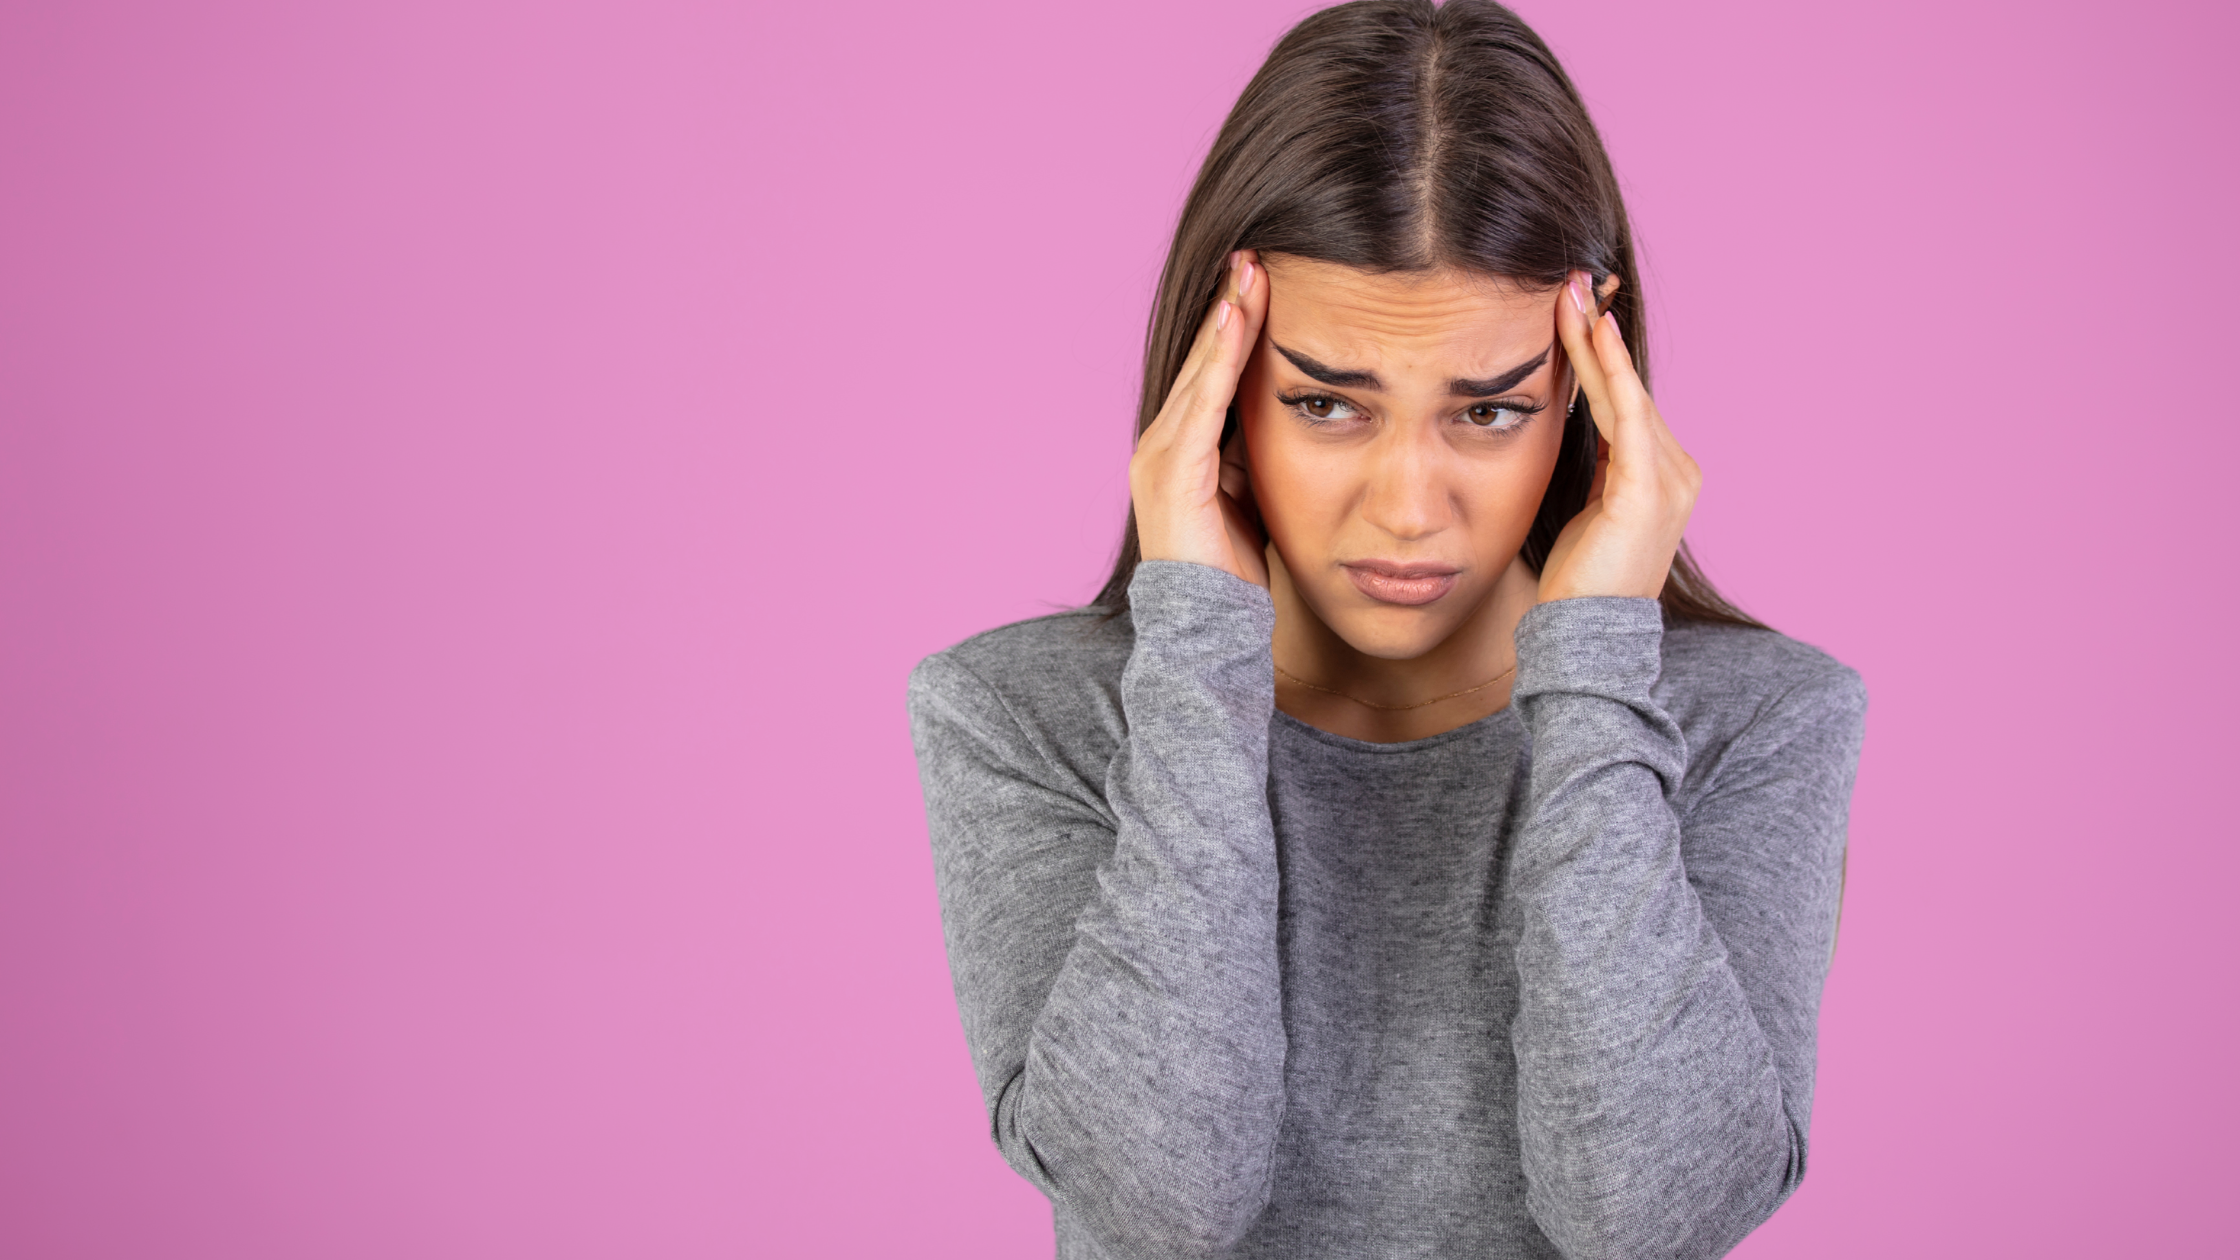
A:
{"x": 1445, "y": 323}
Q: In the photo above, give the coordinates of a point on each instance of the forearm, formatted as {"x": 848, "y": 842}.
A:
{"x": 1653, "y": 1117}
{"x": 1145, "y": 1092}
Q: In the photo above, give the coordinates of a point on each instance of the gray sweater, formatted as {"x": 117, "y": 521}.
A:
{"x": 1542, "y": 985}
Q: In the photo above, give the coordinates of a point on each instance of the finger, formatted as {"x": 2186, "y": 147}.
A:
{"x": 1181, "y": 395}
{"x": 1621, "y": 385}
{"x": 1252, "y": 291}
{"x": 1642, "y": 444}
{"x": 1645, "y": 454}
{"x": 1213, "y": 329}
{"x": 1574, "y": 326}
{"x": 1635, "y": 412}
{"x": 1201, "y": 395}
{"x": 1188, "y": 379}
{"x": 1207, "y": 344}
{"x": 1232, "y": 326}
{"x": 1618, "y": 374}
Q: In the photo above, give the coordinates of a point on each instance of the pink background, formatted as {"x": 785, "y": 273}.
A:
{"x": 474, "y": 475}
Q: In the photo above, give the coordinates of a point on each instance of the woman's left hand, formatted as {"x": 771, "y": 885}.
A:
{"x": 1622, "y": 542}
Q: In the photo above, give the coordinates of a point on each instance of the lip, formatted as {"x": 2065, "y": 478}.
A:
{"x": 1390, "y": 582}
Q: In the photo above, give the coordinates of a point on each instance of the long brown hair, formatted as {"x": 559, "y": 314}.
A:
{"x": 1396, "y": 136}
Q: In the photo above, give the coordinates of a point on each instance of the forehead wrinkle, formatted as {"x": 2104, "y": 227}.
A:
{"x": 1357, "y": 322}
{"x": 1456, "y": 362}
{"x": 1501, "y": 383}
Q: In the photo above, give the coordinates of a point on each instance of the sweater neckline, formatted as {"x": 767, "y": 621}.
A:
{"x": 1491, "y": 724}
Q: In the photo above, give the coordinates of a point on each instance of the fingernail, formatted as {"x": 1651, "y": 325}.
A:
{"x": 1244, "y": 285}
{"x": 1578, "y": 294}
{"x": 1221, "y": 319}
{"x": 1611, "y": 318}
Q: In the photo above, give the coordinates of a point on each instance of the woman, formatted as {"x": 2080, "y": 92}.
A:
{"x": 1410, "y": 853}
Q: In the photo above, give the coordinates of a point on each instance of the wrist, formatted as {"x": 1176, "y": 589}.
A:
{"x": 1594, "y": 586}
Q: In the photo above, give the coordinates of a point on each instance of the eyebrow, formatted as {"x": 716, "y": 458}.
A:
{"x": 1344, "y": 378}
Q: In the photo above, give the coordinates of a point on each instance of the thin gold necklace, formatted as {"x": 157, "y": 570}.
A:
{"x": 1394, "y": 708}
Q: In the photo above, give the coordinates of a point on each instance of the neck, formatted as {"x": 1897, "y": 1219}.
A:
{"x": 1383, "y": 700}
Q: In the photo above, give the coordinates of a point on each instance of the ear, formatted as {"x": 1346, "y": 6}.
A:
{"x": 1605, "y": 291}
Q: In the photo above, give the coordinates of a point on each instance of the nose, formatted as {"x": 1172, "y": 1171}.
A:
{"x": 1407, "y": 495}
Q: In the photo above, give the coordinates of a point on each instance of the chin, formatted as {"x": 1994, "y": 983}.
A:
{"x": 1394, "y": 634}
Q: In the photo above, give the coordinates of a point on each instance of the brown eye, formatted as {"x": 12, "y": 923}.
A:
{"x": 1318, "y": 407}
{"x": 1491, "y": 415}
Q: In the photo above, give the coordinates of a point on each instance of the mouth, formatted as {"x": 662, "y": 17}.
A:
{"x": 1389, "y": 582}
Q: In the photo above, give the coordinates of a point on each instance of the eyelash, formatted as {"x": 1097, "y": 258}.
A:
{"x": 1298, "y": 399}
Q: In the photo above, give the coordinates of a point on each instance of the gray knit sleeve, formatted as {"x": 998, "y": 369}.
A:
{"x": 1669, "y": 965}
{"x": 1116, "y": 961}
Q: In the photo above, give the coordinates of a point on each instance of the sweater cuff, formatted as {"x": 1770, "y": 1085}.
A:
{"x": 1175, "y": 599}
{"x": 1200, "y": 632}
{"x": 1599, "y": 645}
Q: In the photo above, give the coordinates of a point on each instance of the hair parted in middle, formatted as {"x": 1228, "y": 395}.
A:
{"x": 1400, "y": 136}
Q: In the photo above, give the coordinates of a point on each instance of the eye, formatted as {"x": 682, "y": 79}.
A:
{"x": 1319, "y": 407}
{"x": 1495, "y": 415}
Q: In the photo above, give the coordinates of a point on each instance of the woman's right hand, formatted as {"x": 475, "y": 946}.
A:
{"x": 1190, "y": 502}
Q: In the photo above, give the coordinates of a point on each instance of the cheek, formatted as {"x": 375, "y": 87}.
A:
{"x": 1299, "y": 485}
{"x": 1503, "y": 496}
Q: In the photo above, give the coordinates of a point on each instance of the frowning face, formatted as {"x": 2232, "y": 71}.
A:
{"x": 1400, "y": 430}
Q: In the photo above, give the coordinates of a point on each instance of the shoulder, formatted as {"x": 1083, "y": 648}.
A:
{"x": 1046, "y": 689}
{"x": 1726, "y": 659}
{"x": 1032, "y": 663}
{"x": 1725, "y": 684}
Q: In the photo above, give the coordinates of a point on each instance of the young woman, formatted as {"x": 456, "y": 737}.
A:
{"x": 1410, "y": 854}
